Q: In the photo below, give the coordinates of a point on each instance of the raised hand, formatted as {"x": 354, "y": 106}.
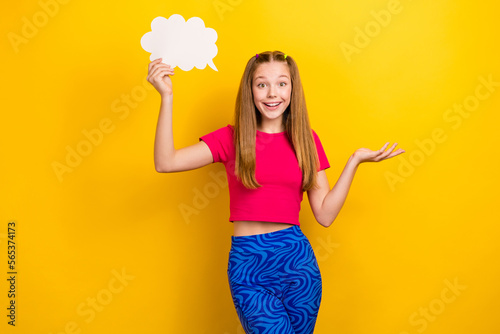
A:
{"x": 367, "y": 155}
{"x": 159, "y": 76}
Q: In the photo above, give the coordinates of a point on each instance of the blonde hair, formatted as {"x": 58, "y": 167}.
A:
{"x": 295, "y": 120}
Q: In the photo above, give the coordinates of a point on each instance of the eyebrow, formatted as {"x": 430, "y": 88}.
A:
{"x": 263, "y": 77}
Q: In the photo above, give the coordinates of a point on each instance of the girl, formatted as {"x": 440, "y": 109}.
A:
{"x": 271, "y": 156}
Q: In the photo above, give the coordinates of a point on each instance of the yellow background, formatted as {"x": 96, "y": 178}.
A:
{"x": 411, "y": 226}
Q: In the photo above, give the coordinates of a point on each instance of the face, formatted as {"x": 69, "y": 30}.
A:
{"x": 272, "y": 88}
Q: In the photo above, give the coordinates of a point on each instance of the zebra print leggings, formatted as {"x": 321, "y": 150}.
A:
{"x": 275, "y": 282}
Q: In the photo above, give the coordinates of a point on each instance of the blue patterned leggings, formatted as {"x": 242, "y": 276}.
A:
{"x": 275, "y": 282}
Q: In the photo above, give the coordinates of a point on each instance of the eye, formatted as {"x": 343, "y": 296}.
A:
{"x": 261, "y": 85}
{"x": 282, "y": 84}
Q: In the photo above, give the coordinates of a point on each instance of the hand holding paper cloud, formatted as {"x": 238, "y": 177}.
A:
{"x": 181, "y": 43}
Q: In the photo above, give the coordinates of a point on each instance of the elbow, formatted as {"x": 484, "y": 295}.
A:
{"x": 325, "y": 221}
{"x": 162, "y": 168}
{"x": 325, "y": 224}
{"x": 164, "y": 163}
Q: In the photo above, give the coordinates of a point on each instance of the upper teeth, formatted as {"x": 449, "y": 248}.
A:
{"x": 273, "y": 104}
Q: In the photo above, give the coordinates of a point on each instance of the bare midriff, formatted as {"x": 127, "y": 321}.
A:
{"x": 250, "y": 227}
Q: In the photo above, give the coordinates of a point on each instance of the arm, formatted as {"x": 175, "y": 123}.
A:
{"x": 166, "y": 158}
{"x": 326, "y": 203}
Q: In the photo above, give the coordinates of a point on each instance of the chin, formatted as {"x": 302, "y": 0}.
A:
{"x": 271, "y": 117}
{"x": 272, "y": 114}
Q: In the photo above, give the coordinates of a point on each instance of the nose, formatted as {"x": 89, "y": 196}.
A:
{"x": 271, "y": 92}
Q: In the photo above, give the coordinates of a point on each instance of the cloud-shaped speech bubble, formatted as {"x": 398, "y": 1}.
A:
{"x": 181, "y": 43}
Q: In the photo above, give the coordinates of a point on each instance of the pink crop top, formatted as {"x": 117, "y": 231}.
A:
{"x": 277, "y": 171}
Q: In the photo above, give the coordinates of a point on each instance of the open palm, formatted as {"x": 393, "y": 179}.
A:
{"x": 367, "y": 155}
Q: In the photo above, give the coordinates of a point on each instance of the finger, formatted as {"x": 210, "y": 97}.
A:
{"x": 392, "y": 147}
{"x": 153, "y": 66}
{"x": 383, "y": 147}
{"x": 387, "y": 153}
{"x": 383, "y": 151}
{"x": 163, "y": 75}
{"x": 162, "y": 67}
{"x": 395, "y": 153}
{"x": 159, "y": 69}
{"x": 152, "y": 63}
{"x": 159, "y": 73}
{"x": 158, "y": 65}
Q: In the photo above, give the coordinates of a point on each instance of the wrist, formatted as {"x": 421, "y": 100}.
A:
{"x": 353, "y": 160}
{"x": 167, "y": 97}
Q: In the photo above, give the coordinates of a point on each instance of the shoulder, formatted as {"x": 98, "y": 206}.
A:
{"x": 222, "y": 136}
{"x": 220, "y": 143}
{"x": 227, "y": 131}
{"x": 224, "y": 131}
{"x": 315, "y": 135}
{"x": 317, "y": 141}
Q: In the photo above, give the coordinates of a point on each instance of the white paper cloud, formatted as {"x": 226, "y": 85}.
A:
{"x": 181, "y": 43}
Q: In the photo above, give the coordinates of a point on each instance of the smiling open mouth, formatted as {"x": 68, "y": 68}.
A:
{"x": 273, "y": 104}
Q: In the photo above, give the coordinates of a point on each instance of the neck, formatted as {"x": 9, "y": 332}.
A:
{"x": 274, "y": 127}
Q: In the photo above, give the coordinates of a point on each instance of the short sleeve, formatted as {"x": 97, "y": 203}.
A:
{"x": 323, "y": 160}
{"x": 219, "y": 142}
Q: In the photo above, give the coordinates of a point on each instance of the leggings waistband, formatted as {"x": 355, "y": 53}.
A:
{"x": 267, "y": 241}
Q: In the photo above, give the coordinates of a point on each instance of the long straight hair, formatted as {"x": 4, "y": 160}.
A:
{"x": 295, "y": 121}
